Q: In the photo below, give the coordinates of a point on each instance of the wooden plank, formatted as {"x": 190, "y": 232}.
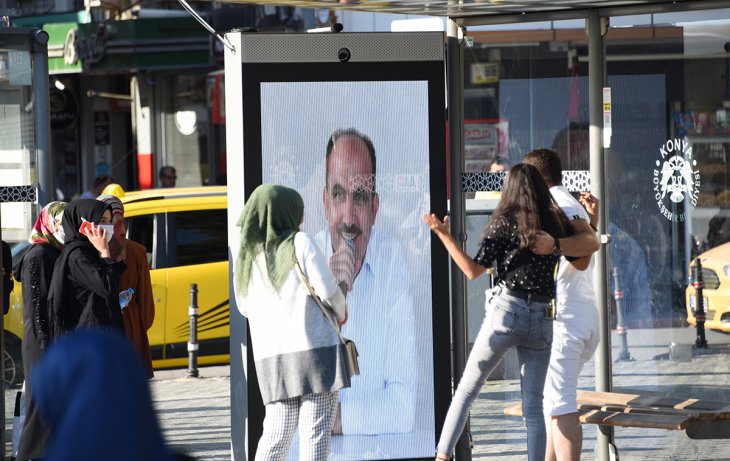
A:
{"x": 621, "y": 419}
{"x": 514, "y": 409}
{"x": 702, "y": 409}
{"x": 621, "y": 409}
{"x": 642, "y": 420}
{"x": 648, "y": 411}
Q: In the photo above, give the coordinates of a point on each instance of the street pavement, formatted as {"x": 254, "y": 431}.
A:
{"x": 195, "y": 412}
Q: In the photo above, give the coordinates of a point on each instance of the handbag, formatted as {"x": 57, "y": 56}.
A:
{"x": 348, "y": 349}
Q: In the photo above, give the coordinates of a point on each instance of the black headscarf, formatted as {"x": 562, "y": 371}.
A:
{"x": 90, "y": 210}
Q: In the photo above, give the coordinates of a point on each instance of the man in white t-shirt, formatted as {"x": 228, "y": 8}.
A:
{"x": 575, "y": 328}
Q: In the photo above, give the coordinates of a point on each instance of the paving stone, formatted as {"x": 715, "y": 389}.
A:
{"x": 195, "y": 412}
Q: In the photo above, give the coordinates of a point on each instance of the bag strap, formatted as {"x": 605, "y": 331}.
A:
{"x": 305, "y": 281}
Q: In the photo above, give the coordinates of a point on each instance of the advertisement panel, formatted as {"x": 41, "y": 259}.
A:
{"x": 297, "y": 114}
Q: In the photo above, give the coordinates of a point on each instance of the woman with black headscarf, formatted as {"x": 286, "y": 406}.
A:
{"x": 85, "y": 286}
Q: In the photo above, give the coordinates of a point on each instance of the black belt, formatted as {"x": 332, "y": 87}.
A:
{"x": 529, "y": 297}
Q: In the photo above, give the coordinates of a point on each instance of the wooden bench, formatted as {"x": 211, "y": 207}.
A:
{"x": 700, "y": 419}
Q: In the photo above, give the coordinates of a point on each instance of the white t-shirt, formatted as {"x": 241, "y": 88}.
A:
{"x": 574, "y": 294}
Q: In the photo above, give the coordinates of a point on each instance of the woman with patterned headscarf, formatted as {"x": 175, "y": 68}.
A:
{"x": 34, "y": 271}
{"x": 139, "y": 314}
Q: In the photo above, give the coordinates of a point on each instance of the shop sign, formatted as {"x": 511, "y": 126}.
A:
{"x": 480, "y": 133}
{"x": 87, "y": 49}
{"x": 484, "y": 73}
{"x": 676, "y": 179}
{"x": 64, "y": 109}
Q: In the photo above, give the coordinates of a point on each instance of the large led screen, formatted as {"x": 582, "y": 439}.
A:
{"x": 363, "y": 143}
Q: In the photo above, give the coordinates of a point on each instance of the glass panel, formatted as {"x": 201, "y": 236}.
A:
{"x": 17, "y": 136}
{"x": 141, "y": 229}
{"x": 525, "y": 88}
{"x": 667, "y": 183}
{"x": 200, "y": 237}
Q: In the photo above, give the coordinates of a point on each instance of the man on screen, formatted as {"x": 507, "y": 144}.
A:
{"x": 370, "y": 266}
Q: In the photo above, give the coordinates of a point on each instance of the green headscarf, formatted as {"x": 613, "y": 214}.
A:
{"x": 270, "y": 218}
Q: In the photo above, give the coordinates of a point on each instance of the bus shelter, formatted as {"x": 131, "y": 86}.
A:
{"x": 24, "y": 147}
{"x": 620, "y": 88}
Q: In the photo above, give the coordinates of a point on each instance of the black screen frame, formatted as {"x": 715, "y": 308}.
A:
{"x": 253, "y": 75}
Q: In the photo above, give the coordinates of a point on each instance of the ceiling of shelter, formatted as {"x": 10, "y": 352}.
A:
{"x": 466, "y": 8}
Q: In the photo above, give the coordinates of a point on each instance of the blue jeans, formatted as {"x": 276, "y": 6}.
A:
{"x": 509, "y": 322}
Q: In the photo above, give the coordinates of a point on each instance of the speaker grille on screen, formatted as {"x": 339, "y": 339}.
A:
{"x": 328, "y": 47}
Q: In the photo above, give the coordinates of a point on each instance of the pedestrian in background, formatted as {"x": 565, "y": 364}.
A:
{"x": 35, "y": 271}
{"x": 84, "y": 290}
{"x": 518, "y": 307}
{"x": 168, "y": 176}
{"x": 296, "y": 350}
{"x": 97, "y": 186}
{"x": 139, "y": 312}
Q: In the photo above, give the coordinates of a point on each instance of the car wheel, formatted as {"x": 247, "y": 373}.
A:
{"x": 13, "y": 363}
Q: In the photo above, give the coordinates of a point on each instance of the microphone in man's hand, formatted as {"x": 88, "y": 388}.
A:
{"x": 350, "y": 241}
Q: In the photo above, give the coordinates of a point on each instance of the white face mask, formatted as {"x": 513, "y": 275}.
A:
{"x": 109, "y": 228}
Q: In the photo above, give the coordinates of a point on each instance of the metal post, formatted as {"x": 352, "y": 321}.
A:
{"x": 193, "y": 341}
{"x": 597, "y": 27}
{"x": 42, "y": 116}
{"x": 700, "y": 316}
{"x": 457, "y": 213}
{"x": 618, "y": 296}
{"x": 2, "y": 354}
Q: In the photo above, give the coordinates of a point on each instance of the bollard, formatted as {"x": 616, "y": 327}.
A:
{"x": 700, "y": 316}
{"x": 193, "y": 341}
{"x": 618, "y": 295}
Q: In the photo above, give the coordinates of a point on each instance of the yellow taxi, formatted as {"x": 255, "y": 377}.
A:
{"x": 186, "y": 236}
{"x": 185, "y": 233}
{"x": 13, "y": 323}
{"x": 716, "y": 292}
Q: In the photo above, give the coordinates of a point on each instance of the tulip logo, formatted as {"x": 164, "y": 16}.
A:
{"x": 676, "y": 180}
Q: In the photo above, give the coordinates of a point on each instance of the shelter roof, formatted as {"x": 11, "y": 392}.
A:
{"x": 479, "y": 8}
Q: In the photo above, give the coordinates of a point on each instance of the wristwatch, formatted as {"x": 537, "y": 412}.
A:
{"x": 556, "y": 248}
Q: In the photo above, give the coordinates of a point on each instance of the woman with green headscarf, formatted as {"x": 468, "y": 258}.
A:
{"x": 296, "y": 350}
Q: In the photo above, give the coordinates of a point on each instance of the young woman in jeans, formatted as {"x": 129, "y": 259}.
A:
{"x": 518, "y": 308}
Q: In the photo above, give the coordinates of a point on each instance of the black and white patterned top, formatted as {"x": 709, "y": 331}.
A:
{"x": 518, "y": 269}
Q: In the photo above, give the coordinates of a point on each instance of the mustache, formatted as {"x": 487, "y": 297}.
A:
{"x": 353, "y": 229}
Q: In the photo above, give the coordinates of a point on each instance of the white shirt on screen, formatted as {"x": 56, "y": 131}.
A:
{"x": 382, "y": 399}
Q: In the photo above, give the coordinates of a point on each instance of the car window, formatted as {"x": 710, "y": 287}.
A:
{"x": 199, "y": 237}
{"x": 141, "y": 230}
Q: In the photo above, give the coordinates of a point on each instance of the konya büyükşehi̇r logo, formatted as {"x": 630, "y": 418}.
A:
{"x": 676, "y": 179}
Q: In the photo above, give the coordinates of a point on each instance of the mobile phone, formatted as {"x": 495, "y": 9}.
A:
{"x": 85, "y": 228}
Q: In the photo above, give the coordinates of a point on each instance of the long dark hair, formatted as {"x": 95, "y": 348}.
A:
{"x": 526, "y": 199}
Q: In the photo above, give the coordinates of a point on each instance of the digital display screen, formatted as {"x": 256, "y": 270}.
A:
{"x": 364, "y": 145}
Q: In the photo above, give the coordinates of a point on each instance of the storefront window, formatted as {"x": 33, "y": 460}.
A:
{"x": 185, "y": 128}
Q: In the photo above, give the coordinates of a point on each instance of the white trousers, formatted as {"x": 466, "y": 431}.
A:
{"x": 313, "y": 414}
